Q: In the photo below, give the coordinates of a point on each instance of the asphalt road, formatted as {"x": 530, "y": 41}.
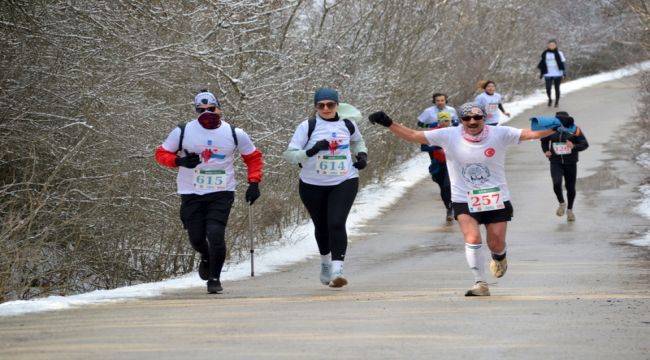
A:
{"x": 572, "y": 290}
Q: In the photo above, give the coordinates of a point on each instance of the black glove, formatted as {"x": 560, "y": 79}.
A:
{"x": 362, "y": 161}
{"x": 380, "y": 118}
{"x": 318, "y": 146}
{"x": 189, "y": 161}
{"x": 253, "y": 192}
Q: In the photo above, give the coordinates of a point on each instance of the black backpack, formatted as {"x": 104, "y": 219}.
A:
{"x": 311, "y": 125}
{"x": 182, "y": 127}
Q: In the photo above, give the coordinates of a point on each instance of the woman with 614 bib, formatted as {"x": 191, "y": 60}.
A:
{"x": 324, "y": 146}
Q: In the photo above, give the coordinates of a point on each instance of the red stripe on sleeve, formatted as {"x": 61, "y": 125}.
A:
{"x": 165, "y": 158}
{"x": 255, "y": 163}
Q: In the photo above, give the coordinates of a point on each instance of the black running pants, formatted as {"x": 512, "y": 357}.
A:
{"x": 205, "y": 218}
{"x": 329, "y": 207}
{"x": 570, "y": 173}
{"x": 553, "y": 81}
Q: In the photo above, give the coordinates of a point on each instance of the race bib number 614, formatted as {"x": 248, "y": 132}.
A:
{"x": 331, "y": 165}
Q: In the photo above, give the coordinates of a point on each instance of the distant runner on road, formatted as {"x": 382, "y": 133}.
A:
{"x": 480, "y": 196}
{"x": 552, "y": 67}
{"x": 490, "y": 100}
{"x": 439, "y": 116}
{"x": 561, "y": 149}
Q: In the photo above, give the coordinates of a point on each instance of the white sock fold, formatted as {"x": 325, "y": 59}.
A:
{"x": 337, "y": 266}
{"x": 474, "y": 257}
{"x": 326, "y": 259}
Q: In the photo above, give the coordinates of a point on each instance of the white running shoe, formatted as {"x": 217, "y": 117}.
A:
{"x": 560, "y": 209}
{"x": 479, "y": 289}
{"x": 338, "y": 280}
{"x": 570, "y": 216}
{"x": 498, "y": 267}
{"x": 325, "y": 273}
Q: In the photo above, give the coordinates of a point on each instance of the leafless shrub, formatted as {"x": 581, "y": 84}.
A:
{"x": 89, "y": 89}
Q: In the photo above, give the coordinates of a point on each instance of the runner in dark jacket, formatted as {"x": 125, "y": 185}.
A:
{"x": 562, "y": 148}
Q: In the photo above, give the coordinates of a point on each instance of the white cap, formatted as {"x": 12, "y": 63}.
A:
{"x": 205, "y": 98}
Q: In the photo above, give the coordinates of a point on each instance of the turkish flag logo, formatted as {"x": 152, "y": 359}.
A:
{"x": 489, "y": 152}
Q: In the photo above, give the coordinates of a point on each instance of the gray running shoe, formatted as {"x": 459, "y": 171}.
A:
{"x": 338, "y": 280}
{"x": 479, "y": 289}
{"x": 560, "y": 209}
{"x": 325, "y": 275}
{"x": 498, "y": 267}
{"x": 570, "y": 216}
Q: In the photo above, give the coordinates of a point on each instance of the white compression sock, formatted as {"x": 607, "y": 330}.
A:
{"x": 325, "y": 259}
{"x": 474, "y": 257}
{"x": 337, "y": 266}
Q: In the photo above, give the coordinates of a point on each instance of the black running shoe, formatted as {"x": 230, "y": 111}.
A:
{"x": 214, "y": 286}
{"x": 204, "y": 269}
{"x": 550, "y": 102}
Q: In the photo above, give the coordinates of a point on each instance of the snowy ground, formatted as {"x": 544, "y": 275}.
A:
{"x": 299, "y": 245}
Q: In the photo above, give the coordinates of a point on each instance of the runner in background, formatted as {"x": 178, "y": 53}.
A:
{"x": 561, "y": 149}
{"x": 438, "y": 116}
{"x": 490, "y": 100}
{"x": 552, "y": 68}
{"x": 204, "y": 150}
{"x": 331, "y": 152}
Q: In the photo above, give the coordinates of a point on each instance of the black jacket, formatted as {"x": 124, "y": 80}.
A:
{"x": 578, "y": 139}
{"x": 543, "y": 69}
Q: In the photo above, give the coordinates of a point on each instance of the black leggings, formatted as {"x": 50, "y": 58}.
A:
{"x": 553, "y": 80}
{"x": 570, "y": 173}
{"x": 329, "y": 207}
{"x": 440, "y": 176}
{"x": 205, "y": 217}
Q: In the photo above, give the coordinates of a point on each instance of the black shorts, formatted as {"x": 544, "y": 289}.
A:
{"x": 214, "y": 206}
{"x": 485, "y": 217}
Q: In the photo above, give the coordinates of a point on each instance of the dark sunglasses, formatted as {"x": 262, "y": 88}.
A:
{"x": 475, "y": 117}
{"x": 211, "y": 109}
{"x": 329, "y": 105}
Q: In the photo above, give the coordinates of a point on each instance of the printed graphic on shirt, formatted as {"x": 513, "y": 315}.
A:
{"x": 476, "y": 174}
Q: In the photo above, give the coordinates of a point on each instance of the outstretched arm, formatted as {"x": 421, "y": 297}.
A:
{"x": 408, "y": 134}
{"x": 527, "y": 134}
{"x": 399, "y": 130}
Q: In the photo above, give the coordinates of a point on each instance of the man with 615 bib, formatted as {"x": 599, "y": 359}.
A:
{"x": 206, "y": 179}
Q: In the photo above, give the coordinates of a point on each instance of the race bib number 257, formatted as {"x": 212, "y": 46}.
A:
{"x": 479, "y": 200}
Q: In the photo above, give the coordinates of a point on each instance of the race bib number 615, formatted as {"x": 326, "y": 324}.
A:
{"x": 210, "y": 179}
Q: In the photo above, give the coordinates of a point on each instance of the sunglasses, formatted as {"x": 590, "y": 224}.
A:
{"x": 202, "y": 110}
{"x": 475, "y": 117}
{"x": 329, "y": 105}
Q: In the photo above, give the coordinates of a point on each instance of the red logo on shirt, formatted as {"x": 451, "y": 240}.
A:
{"x": 489, "y": 152}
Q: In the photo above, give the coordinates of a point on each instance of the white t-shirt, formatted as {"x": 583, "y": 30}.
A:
{"x": 475, "y": 165}
{"x": 491, "y": 104}
{"x": 553, "y": 69}
{"x": 430, "y": 115}
{"x": 216, "y": 148}
{"x": 334, "y": 132}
